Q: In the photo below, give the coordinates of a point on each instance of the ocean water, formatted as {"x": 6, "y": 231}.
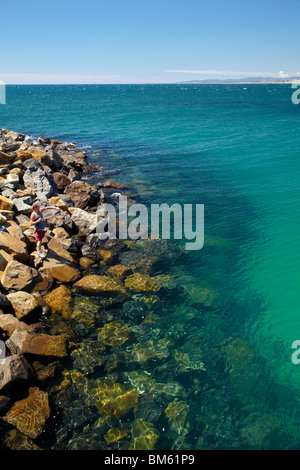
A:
{"x": 235, "y": 309}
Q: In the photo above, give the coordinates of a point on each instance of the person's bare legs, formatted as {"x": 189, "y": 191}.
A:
{"x": 38, "y": 246}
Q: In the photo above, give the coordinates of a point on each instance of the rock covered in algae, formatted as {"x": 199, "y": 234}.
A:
{"x": 144, "y": 436}
{"x": 114, "y": 399}
{"x": 84, "y": 310}
{"x": 114, "y": 334}
{"x": 143, "y": 352}
{"x": 60, "y": 301}
{"x": 142, "y": 283}
{"x": 15, "y": 440}
{"x": 103, "y": 285}
{"x": 88, "y": 356}
{"x": 144, "y": 383}
{"x": 116, "y": 434}
{"x": 176, "y": 413}
{"x": 119, "y": 271}
{"x": 30, "y": 415}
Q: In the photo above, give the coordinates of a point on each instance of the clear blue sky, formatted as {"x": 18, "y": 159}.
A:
{"x": 142, "y": 41}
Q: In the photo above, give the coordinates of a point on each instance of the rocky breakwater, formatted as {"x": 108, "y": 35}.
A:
{"x": 35, "y": 293}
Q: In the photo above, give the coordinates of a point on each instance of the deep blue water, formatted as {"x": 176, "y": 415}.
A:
{"x": 235, "y": 149}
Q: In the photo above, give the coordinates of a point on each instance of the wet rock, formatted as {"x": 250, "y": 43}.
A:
{"x": 24, "y": 342}
{"x": 44, "y": 371}
{"x": 119, "y": 271}
{"x": 13, "y": 369}
{"x": 84, "y": 310}
{"x": 144, "y": 435}
{"x": 30, "y": 415}
{"x": 176, "y": 412}
{"x": 143, "y": 352}
{"x": 142, "y": 283}
{"x": 89, "y": 356}
{"x": 114, "y": 399}
{"x": 103, "y": 285}
{"x": 114, "y": 334}
{"x": 139, "y": 262}
{"x": 115, "y": 435}
{"x": 60, "y": 301}
{"x": 15, "y": 440}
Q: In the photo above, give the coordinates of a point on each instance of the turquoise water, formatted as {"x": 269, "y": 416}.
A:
{"x": 234, "y": 149}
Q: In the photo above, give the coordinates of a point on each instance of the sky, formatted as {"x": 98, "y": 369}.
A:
{"x": 147, "y": 41}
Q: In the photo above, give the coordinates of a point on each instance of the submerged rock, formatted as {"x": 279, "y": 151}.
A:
{"x": 30, "y": 415}
{"x": 114, "y": 334}
{"x": 114, "y": 399}
{"x": 103, "y": 285}
{"x": 142, "y": 283}
{"x": 60, "y": 301}
{"x": 144, "y": 435}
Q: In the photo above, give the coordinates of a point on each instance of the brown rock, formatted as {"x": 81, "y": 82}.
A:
{"x": 30, "y": 415}
{"x": 59, "y": 263}
{"x": 115, "y": 185}
{"x": 60, "y": 301}
{"x": 14, "y": 229}
{"x": 24, "y": 342}
{"x": 6, "y": 159}
{"x": 24, "y": 304}
{"x": 13, "y": 246}
{"x": 61, "y": 180}
{"x": 119, "y": 271}
{"x": 13, "y": 369}
{"x": 82, "y": 194}
{"x": 18, "y": 276}
{"x": 5, "y": 203}
{"x": 9, "y": 323}
{"x": 100, "y": 285}
{"x": 142, "y": 283}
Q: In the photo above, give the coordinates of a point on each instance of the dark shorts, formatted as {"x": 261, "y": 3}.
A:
{"x": 39, "y": 235}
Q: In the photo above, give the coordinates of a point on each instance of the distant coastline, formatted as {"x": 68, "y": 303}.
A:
{"x": 243, "y": 81}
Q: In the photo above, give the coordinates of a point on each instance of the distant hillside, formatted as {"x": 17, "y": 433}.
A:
{"x": 245, "y": 80}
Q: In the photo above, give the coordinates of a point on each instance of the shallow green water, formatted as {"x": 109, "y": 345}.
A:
{"x": 236, "y": 304}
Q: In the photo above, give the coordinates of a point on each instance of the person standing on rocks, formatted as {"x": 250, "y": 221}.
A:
{"x": 37, "y": 219}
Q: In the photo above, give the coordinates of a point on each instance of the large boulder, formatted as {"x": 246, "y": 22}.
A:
{"x": 13, "y": 246}
{"x": 17, "y": 276}
{"x": 9, "y": 323}
{"x": 58, "y": 263}
{"x": 60, "y": 301}
{"x": 62, "y": 181}
{"x": 13, "y": 369}
{"x": 83, "y": 194}
{"x": 49, "y": 158}
{"x": 85, "y": 222}
{"x": 5, "y": 203}
{"x": 40, "y": 179}
{"x": 29, "y": 415}
{"x": 102, "y": 285}
{"x": 25, "y": 342}
{"x": 24, "y": 304}
{"x": 56, "y": 218}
